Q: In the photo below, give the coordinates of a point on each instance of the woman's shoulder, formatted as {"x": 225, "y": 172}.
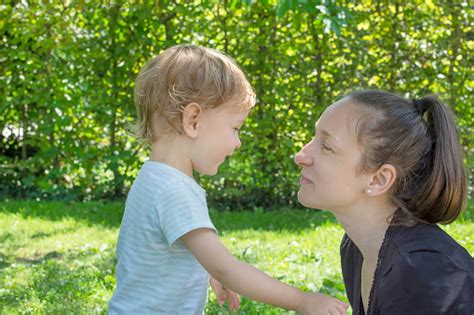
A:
{"x": 423, "y": 243}
{"x": 427, "y": 269}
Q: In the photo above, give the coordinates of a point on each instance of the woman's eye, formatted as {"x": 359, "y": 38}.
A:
{"x": 325, "y": 147}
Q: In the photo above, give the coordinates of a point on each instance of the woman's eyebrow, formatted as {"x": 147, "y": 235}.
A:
{"x": 326, "y": 134}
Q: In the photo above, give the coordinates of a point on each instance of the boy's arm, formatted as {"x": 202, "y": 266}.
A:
{"x": 251, "y": 282}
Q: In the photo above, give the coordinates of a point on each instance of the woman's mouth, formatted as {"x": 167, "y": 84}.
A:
{"x": 304, "y": 180}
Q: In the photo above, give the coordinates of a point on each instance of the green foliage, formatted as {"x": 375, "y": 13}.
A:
{"x": 58, "y": 258}
{"x": 67, "y": 73}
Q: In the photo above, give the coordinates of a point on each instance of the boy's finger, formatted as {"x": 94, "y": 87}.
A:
{"x": 341, "y": 303}
{"x": 237, "y": 301}
{"x": 345, "y": 306}
{"x": 342, "y": 309}
{"x": 222, "y": 298}
{"x": 233, "y": 301}
{"x": 225, "y": 297}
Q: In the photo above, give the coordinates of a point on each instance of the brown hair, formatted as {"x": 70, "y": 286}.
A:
{"x": 181, "y": 75}
{"x": 420, "y": 140}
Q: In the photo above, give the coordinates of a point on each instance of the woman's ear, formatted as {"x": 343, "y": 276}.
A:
{"x": 382, "y": 180}
{"x": 192, "y": 114}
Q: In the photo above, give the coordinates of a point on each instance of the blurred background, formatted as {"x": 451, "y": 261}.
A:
{"x": 67, "y": 161}
{"x": 68, "y": 69}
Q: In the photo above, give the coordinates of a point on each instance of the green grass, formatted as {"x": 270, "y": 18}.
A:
{"x": 59, "y": 257}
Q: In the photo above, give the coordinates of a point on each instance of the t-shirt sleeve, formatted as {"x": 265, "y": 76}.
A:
{"x": 180, "y": 210}
{"x": 426, "y": 282}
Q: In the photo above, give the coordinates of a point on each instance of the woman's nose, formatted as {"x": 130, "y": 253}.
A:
{"x": 301, "y": 158}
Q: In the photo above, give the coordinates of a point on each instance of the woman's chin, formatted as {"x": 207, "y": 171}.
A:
{"x": 305, "y": 201}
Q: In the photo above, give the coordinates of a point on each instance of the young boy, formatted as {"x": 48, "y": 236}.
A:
{"x": 191, "y": 103}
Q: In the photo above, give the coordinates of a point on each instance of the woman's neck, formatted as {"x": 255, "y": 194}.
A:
{"x": 366, "y": 226}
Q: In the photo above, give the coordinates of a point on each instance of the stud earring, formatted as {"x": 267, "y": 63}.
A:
{"x": 369, "y": 191}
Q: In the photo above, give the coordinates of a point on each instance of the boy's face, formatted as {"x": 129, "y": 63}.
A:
{"x": 217, "y": 138}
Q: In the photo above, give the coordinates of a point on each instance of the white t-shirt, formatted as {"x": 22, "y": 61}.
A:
{"x": 156, "y": 273}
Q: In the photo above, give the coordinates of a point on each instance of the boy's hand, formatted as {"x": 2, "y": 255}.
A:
{"x": 223, "y": 294}
{"x": 319, "y": 304}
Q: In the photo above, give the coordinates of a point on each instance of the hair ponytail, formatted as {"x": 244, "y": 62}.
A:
{"x": 442, "y": 194}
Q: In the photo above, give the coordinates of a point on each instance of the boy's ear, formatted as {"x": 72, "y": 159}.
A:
{"x": 382, "y": 180}
{"x": 192, "y": 114}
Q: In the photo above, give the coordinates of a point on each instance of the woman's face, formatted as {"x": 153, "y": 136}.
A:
{"x": 330, "y": 176}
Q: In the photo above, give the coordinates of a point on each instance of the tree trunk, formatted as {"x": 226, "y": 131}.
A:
{"x": 24, "y": 135}
{"x": 455, "y": 44}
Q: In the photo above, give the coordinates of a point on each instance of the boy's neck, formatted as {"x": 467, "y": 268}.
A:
{"x": 171, "y": 150}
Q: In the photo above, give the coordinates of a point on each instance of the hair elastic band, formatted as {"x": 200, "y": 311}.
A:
{"x": 420, "y": 106}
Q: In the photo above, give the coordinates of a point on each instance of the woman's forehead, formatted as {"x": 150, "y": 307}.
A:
{"x": 337, "y": 119}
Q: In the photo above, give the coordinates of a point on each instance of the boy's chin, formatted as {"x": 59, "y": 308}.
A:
{"x": 210, "y": 171}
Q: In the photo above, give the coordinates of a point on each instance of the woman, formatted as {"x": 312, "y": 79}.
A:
{"x": 390, "y": 169}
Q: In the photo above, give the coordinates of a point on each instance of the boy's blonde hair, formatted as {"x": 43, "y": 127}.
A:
{"x": 181, "y": 75}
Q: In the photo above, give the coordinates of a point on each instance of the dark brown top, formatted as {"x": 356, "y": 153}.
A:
{"x": 420, "y": 270}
